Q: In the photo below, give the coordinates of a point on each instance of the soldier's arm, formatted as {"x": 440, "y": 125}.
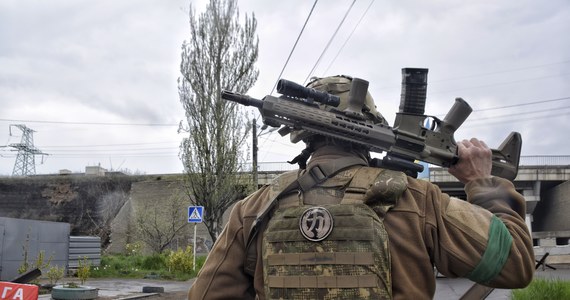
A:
{"x": 484, "y": 238}
{"x": 222, "y": 275}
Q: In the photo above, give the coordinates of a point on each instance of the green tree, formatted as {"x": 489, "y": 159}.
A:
{"x": 220, "y": 55}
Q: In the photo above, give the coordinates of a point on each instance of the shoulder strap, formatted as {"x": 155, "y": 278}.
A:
{"x": 313, "y": 176}
{"x": 359, "y": 185}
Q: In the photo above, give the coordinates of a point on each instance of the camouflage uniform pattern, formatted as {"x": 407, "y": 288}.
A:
{"x": 353, "y": 262}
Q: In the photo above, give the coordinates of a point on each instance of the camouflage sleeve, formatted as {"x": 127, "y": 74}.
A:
{"x": 222, "y": 275}
{"x": 484, "y": 238}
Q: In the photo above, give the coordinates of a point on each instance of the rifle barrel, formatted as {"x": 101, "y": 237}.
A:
{"x": 241, "y": 99}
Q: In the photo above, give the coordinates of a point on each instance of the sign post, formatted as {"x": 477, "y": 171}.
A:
{"x": 195, "y": 215}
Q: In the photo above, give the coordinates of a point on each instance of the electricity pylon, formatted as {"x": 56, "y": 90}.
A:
{"x": 25, "y": 160}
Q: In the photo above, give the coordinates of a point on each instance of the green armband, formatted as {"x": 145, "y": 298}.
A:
{"x": 496, "y": 253}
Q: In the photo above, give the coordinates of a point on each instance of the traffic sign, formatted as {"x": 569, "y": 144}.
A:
{"x": 195, "y": 214}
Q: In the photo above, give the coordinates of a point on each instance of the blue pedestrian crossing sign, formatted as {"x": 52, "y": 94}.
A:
{"x": 195, "y": 214}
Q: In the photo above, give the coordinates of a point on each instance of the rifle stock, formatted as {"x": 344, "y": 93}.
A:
{"x": 408, "y": 141}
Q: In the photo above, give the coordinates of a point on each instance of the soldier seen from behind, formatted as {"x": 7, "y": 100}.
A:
{"x": 340, "y": 229}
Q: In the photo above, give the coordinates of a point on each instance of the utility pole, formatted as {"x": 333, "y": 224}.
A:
{"x": 25, "y": 160}
{"x": 255, "y": 180}
{"x": 255, "y": 149}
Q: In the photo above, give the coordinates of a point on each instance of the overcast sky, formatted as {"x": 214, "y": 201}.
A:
{"x": 96, "y": 80}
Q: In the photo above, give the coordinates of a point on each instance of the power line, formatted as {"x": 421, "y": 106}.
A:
{"x": 503, "y": 71}
{"x": 294, "y": 46}
{"x": 111, "y": 150}
{"x": 109, "y": 145}
{"x": 515, "y": 120}
{"x": 522, "y": 104}
{"x": 89, "y": 123}
{"x": 329, "y": 42}
{"x": 489, "y": 73}
{"x": 515, "y": 105}
{"x": 500, "y": 83}
{"x": 289, "y": 57}
{"x": 521, "y": 113}
{"x": 326, "y": 47}
{"x": 83, "y": 156}
{"x": 348, "y": 38}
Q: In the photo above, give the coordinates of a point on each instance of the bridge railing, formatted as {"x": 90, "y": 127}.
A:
{"x": 545, "y": 160}
{"x": 527, "y": 160}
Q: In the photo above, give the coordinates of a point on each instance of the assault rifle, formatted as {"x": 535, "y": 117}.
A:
{"x": 414, "y": 136}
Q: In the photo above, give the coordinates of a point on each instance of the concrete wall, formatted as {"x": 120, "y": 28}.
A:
{"x": 552, "y": 213}
{"x": 155, "y": 194}
{"x": 74, "y": 199}
{"x": 555, "y": 243}
{"x": 87, "y": 203}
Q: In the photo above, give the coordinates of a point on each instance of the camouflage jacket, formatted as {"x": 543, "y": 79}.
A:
{"x": 426, "y": 227}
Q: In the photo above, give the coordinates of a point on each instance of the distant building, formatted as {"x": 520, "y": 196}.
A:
{"x": 64, "y": 172}
{"x": 95, "y": 171}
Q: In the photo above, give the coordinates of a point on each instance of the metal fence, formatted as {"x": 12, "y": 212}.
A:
{"x": 276, "y": 166}
{"x": 84, "y": 247}
{"x": 545, "y": 160}
{"x": 22, "y": 241}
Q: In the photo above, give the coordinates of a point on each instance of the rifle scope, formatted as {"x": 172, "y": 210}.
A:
{"x": 414, "y": 89}
{"x": 289, "y": 88}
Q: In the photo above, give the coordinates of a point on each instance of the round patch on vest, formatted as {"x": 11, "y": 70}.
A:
{"x": 316, "y": 224}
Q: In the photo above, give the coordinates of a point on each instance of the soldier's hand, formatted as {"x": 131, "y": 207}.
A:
{"x": 475, "y": 161}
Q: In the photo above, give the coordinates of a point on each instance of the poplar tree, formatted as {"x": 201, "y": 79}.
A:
{"x": 219, "y": 55}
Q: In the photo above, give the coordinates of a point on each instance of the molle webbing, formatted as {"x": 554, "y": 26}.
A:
{"x": 353, "y": 261}
{"x": 348, "y": 225}
{"x": 315, "y": 175}
{"x": 323, "y": 282}
{"x": 339, "y": 258}
{"x": 347, "y": 281}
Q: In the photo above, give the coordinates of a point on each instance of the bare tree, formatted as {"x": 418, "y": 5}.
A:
{"x": 107, "y": 207}
{"x": 158, "y": 223}
{"x": 219, "y": 55}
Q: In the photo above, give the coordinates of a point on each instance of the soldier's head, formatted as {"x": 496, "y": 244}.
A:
{"x": 338, "y": 85}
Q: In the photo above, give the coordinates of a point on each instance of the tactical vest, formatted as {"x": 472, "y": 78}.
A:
{"x": 336, "y": 250}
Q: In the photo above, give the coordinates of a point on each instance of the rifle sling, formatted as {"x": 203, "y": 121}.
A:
{"x": 313, "y": 176}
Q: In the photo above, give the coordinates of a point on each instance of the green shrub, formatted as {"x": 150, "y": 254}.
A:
{"x": 543, "y": 289}
{"x": 84, "y": 270}
{"x": 55, "y": 273}
{"x": 135, "y": 248}
{"x": 166, "y": 265}
{"x": 181, "y": 260}
{"x": 118, "y": 264}
{"x": 154, "y": 262}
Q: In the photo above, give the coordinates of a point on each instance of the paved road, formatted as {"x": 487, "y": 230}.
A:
{"x": 447, "y": 288}
{"x": 130, "y": 288}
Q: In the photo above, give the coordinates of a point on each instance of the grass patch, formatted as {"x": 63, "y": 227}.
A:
{"x": 141, "y": 266}
{"x": 543, "y": 289}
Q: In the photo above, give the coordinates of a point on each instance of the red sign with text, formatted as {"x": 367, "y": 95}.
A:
{"x": 17, "y": 291}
